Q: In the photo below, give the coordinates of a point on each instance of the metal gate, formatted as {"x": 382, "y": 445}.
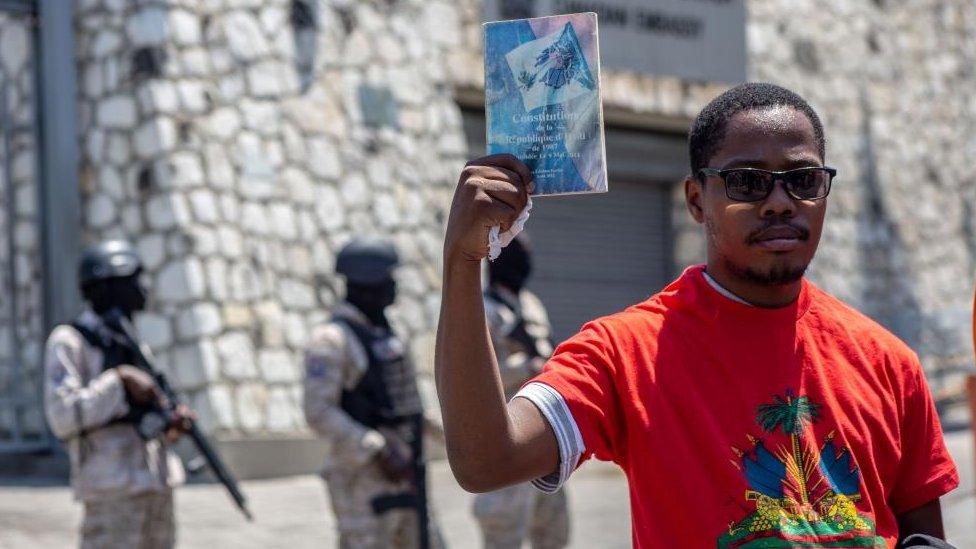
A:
{"x": 21, "y": 296}
{"x": 38, "y": 205}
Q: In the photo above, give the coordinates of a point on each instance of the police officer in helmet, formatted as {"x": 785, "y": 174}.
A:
{"x": 361, "y": 396}
{"x": 100, "y": 405}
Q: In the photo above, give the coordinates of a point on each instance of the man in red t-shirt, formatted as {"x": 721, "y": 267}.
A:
{"x": 747, "y": 407}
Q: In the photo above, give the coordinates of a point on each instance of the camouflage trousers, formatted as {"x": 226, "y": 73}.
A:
{"x": 351, "y": 494}
{"x": 142, "y": 521}
{"x": 510, "y": 515}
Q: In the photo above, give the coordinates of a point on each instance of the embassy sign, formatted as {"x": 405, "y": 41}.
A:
{"x": 701, "y": 40}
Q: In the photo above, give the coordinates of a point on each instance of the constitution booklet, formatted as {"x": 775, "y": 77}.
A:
{"x": 542, "y": 100}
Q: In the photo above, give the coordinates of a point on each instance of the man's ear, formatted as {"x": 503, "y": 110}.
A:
{"x": 694, "y": 194}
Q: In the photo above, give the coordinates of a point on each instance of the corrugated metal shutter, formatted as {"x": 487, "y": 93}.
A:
{"x": 598, "y": 254}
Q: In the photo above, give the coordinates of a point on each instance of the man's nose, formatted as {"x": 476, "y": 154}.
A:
{"x": 779, "y": 202}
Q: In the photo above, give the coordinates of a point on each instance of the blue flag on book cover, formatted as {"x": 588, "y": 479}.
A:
{"x": 542, "y": 91}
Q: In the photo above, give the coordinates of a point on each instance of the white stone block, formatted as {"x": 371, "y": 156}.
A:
{"x": 231, "y": 87}
{"x": 282, "y": 411}
{"x": 220, "y": 172}
{"x": 95, "y": 145}
{"x": 152, "y": 250}
{"x": 205, "y": 243}
{"x": 162, "y": 96}
{"x": 236, "y": 353}
{"x": 200, "y": 320}
{"x": 299, "y": 185}
{"x": 196, "y": 62}
{"x": 154, "y": 330}
{"x": 283, "y": 221}
{"x": 230, "y": 241}
{"x": 118, "y": 150}
{"x": 181, "y": 281}
{"x": 265, "y": 79}
{"x": 271, "y": 319}
{"x": 101, "y": 212}
{"x": 386, "y": 212}
{"x": 132, "y": 219}
{"x": 223, "y": 123}
{"x": 91, "y": 80}
{"x": 185, "y": 28}
{"x": 244, "y": 283}
{"x": 230, "y": 207}
{"x": 296, "y": 295}
{"x": 192, "y": 96}
{"x": 105, "y": 43}
{"x": 441, "y": 23}
{"x": 254, "y": 218}
{"x": 215, "y": 406}
{"x": 118, "y": 112}
{"x": 262, "y": 117}
{"x": 147, "y": 27}
{"x": 15, "y": 47}
{"x": 296, "y": 332}
{"x": 308, "y": 231}
{"x": 329, "y": 211}
{"x": 167, "y": 211}
{"x": 355, "y": 191}
{"x": 154, "y": 137}
{"x": 323, "y": 158}
{"x": 187, "y": 169}
{"x": 251, "y": 404}
{"x": 244, "y": 36}
{"x": 195, "y": 365}
{"x": 217, "y": 277}
{"x": 25, "y": 235}
{"x": 277, "y": 366}
{"x": 204, "y": 206}
{"x": 323, "y": 259}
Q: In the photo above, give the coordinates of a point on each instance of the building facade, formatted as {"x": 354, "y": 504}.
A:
{"x": 240, "y": 143}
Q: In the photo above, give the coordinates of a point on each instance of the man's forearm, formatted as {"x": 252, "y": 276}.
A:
{"x": 476, "y": 423}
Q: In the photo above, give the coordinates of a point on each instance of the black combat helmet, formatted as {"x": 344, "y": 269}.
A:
{"x": 367, "y": 261}
{"x": 108, "y": 259}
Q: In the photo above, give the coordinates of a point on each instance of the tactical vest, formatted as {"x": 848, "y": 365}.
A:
{"x": 536, "y": 347}
{"x": 387, "y": 394}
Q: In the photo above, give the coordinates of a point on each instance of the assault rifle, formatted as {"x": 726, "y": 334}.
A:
{"x": 417, "y": 497}
{"x": 153, "y": 424}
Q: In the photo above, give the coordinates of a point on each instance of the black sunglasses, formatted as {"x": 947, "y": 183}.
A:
{"x": 753, "y": 184}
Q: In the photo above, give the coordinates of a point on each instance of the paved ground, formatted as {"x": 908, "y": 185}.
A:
{"x": 293, "y": 512}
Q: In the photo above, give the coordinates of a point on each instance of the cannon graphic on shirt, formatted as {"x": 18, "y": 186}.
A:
{"x": 803, "y": 496}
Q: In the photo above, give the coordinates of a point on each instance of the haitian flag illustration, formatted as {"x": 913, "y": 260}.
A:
{"x": 542, "y": 100}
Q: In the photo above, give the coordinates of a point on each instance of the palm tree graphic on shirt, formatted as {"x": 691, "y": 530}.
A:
{"x": 804, "y": 496}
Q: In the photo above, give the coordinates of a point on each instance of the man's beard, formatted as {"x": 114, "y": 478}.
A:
{"x": 777, "y": 275}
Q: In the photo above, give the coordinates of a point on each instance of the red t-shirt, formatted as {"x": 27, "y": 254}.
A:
{"x": 737, "y": 426}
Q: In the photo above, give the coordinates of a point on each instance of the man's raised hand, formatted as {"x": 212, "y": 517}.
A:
{"x": 492, "y": 191}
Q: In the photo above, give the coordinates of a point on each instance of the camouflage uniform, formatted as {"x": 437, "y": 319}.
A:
{"x": 124, "y": 482}
{"x": 509, "y": 516}
{"x": 335, "y": 361}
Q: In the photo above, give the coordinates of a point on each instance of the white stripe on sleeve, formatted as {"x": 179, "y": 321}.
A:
{"x": 554, "y": 409}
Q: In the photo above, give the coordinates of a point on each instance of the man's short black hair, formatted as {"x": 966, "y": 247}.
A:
{"x": 709, "y": 127}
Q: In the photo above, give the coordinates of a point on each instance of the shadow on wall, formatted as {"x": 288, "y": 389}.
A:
{"x": 304, "y": 18}
{"x": 888, "y": 295}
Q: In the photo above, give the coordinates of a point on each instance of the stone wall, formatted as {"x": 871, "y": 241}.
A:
{"x": 230, "y": 141}
{"x": 21, "y": 296}
{"x": 893, "y": 84}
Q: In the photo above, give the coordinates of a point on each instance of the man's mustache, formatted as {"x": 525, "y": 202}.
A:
{"x": 778, "y": 229}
